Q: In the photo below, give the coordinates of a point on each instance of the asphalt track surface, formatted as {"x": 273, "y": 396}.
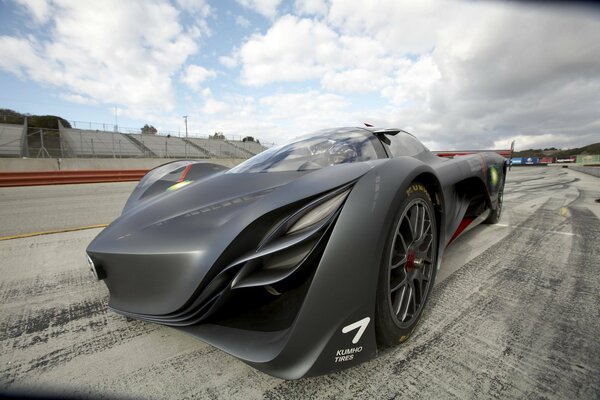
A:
{"x": 515, "y": 312}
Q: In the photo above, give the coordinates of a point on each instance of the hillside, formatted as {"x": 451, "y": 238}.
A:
{"x": 559, "y": 153}
{"x": 48, "y": 124}
{"x": 8, "y": 116}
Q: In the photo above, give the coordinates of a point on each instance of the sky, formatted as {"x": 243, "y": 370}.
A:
{"x": 456, "y": 74}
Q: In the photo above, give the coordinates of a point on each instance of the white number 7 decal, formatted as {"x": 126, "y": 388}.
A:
{"x": 360, "y": 325}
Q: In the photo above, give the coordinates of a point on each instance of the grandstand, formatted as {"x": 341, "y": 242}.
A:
{"x": 169, "y": 147}
{"x": 12, "y": 139}
{"x": 251, "y": 147}
{"x": 86, "y": 143}
{"x": 220, "y": 148}
{"x": 76, "y": 142}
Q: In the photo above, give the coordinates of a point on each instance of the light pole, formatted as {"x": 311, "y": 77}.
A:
{"x": 116, "y": 120}
{"x": 186, "y": 135}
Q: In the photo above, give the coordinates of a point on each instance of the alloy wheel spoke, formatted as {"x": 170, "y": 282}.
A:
{"x": 404, "y": 246}
{"x": 425, "y": 231}
{"x": 399, "y": 263}
{"x": 413, "y": 301}
{"x": 406, "y": 304}
{"x": 398, "y": 300}
{"x": 422, "y": 221}
{"x": 414, "y": 221}
{"x": 429, "y": 243}
{"x": 399, "y": 286}
{"x": 410, "y": 227}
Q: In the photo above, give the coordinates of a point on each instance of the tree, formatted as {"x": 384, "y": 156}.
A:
{"x": 248, "y": 139}
{"x": 217, "y": 136}
{"x": 38, "y": 121}
{"x": 149, "y": 130}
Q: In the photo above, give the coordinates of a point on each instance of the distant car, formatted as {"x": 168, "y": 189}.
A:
{"x": 304, "y": 259}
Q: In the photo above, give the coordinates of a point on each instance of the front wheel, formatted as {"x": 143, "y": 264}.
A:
{"x": 408, "y": 268}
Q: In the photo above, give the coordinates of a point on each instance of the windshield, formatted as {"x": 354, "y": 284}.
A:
{"x": 314, "y": 151}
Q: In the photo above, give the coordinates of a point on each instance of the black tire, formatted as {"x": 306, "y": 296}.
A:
{"x": 396, "y": 316}
{"x": 495, "y": 214}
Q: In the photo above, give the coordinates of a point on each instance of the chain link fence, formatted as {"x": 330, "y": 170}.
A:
{"x": 99, "y": 126}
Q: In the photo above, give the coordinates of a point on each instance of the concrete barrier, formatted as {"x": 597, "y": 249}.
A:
{"x": 76, "y": 164}
{"x": 595, "y": 171}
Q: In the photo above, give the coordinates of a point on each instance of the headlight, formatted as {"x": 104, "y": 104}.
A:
{"x": 319, "y": 212}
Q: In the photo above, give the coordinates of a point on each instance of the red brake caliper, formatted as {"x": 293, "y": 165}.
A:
{"x": 410, "y": 260}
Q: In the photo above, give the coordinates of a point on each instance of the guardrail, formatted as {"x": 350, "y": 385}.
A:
{"x": 453, "y": 153}
{"x": 65, "y": 177}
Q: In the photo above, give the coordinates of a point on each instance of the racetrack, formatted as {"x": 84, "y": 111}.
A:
{"x": 515, "y": 311}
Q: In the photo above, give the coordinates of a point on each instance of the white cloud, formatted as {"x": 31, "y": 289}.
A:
{"x": 304, "y": 105}
{"x": 268, "y": 8}
{"x": 194, "y": 75}
{"x": 228, "y": 61}
{"x": 199, "y": 7}
{"x": 412, "y": 80}
{"x": 405, "y": 26}
{"x": 111, "y": 51}
{"x": 242, "y": 21}
{"x": 212, "y": 106}
{"x": 39, "y": 9}
{"x": 279, "y": 56}
{"x": 311, "y": 7}
{"x": 75, "y": 98}
{"x": 356, "y": 80}
{"x": 18, "y": 53}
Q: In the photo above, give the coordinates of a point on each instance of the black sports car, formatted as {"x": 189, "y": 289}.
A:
{"x": 304, "y": 259}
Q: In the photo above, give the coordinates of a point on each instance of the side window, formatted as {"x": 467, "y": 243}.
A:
{"x": 378, "y": 146}
{"x": 404, "y": 145}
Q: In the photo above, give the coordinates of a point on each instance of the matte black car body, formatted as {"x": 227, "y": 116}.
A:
{"x": 208, "y": 252}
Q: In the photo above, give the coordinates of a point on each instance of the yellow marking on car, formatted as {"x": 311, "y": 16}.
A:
{"x": 64, "y": 230}
{"x": 178, "y": 185}
{"x": 493, "y": 176}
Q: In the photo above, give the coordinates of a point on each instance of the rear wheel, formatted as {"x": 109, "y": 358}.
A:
{"x": 408, "y": 268}
{"x": 494, "y": 216}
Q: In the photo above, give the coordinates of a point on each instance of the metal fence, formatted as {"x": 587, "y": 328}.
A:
{"x": 99, "y": 126}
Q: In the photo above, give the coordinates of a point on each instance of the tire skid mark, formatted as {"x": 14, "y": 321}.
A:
{"x": 99, "y": 343}
{"x": 25, "y": 289}
{"x": 553, "y": 186}
{"x": 42, "y": 320}
{"x": 90, "y": 344}
{"x": 227, "y": 377}
{"x": 580, "y": 329}
{"x": 63, "y": 319}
